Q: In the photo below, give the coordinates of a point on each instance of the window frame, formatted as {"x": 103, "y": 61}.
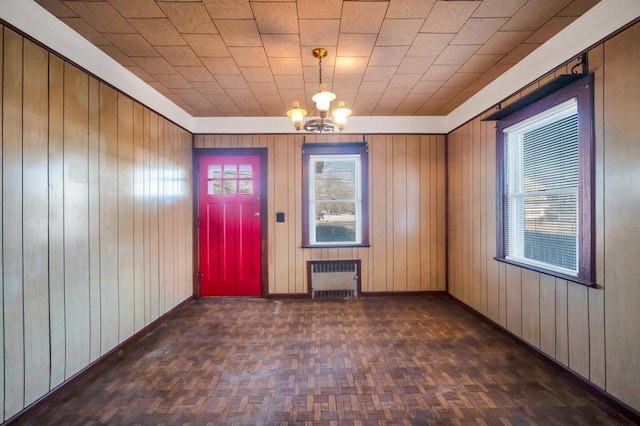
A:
{"x": 328, "y": 150}
{"x": 582, "y": 91}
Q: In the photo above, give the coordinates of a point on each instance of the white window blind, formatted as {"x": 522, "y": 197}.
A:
{"x": 541, "y": 189}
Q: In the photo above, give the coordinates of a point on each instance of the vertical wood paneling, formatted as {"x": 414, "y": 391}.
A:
{"x": 441, "y": 212}
{"x": 399, "y": 205}
{"x": 35, "y": 232}
{"x": 548, "y": 315}
{"x": 578, "y": 316}
{"x": 280, "y": 201}
{"x": 56, "y": 221}
{"x": 108, "y": 218}
{"x": 267, "y": 140}
{"x": 295, "y": 216}
{"x": 390, "y": 228}
{"x": 76, "y": 219}
{"x": 12, "y": 218}
{"x": 146, "y": 206}
{"x": 482, "y": 207}
{"x": 514, "y": 299}
{"x": 562, "y": 322}
{"x": 502, "y": 294}
{"x": 425, "y": 212}
{"x": 154, "y": 218}
{"x": 413, "y": 214}
{"x": 294, "y": 264}
{"x": 531, "y": 307}
{"x": 138, "y": 216}
{"x": 465, "y": 210}
{"x": 597, "y": 363}
{"x": 493, "y": 290}
{"x": 162, "y": 212}
{"x": 94, "y": 217}
{"x": 126, "y": 296}
{"x": 455, "y": 200}
{"x": 74, "y": 277}
{"x": 621, "y": 230}
{"x": 167, "y": 283}
{"x": 475, "y": 280}
{"x": 378, "y": 208}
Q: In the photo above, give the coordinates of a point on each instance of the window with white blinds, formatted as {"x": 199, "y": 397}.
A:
{"x": 545, "y": 159}
{"x": 542, "y": 179}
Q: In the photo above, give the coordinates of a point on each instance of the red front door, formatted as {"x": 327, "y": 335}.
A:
{"x": 230, "y": 225}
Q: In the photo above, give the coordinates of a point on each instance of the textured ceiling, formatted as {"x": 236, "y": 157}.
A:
{"x": 217, "y": 58}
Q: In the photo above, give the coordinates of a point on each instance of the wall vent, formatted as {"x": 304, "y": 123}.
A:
{"x": 333, "y": 278}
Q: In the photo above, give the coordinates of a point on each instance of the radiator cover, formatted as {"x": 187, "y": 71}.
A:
{"x": 333, "y": 278}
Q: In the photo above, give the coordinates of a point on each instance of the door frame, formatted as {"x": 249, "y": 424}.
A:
{"x": 264, "y": 214}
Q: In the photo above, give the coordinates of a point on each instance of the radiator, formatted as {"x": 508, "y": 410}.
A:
{"x": 334, "y": 278}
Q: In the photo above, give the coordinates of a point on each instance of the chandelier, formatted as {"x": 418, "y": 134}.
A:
{"x": 323, "y": 123}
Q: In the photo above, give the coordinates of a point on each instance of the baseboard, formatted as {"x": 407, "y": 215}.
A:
{"x": 361, "y": 294}
{"x": 113, "y": 353}
{"x": 402, "y": 293}
{"x": 622, "y": 409}
{"x": 288, "y": 296}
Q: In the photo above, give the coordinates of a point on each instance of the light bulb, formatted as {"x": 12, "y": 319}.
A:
{"x": 340, "y": 115}
{"x": 297, "y": 114}
{"x": 323, "y": 100}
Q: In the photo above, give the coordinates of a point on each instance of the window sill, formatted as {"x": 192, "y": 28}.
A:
{"x": 549, "y": 272}
{"x": 321, "y": 246}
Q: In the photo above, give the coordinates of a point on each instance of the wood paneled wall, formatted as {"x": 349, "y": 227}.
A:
{"x": 593, "y": 331}
{"x": 406, "y": 211}
{"x": 96, "y": 231}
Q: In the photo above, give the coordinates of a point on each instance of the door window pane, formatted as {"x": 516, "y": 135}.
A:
{"x": 230, "y": 187}
{"x": 215, "y": 187}
{"x": 214, "y": 171}
{"x": 245, "y": 171}
{"x": 230, "y": 171}
{"x": 246, "y": 187}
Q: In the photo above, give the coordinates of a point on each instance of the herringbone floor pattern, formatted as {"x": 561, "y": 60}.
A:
{"x": 383, "y": 360}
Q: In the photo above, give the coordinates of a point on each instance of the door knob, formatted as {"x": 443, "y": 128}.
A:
{"x": 256, "y": 214}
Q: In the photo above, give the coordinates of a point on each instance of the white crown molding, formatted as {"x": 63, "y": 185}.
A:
{"x": 603, "y": 19}
{"x": 356, "y": 125}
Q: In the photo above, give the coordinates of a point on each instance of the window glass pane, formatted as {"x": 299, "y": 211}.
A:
{"x": 215, "y": 187}
{"x": 245, "y": 171}
{"x": 230, "y": 187}
{"x": 335, "y": 222}
{"x": 230, "y": 171}
{"x": 335, "y": 180}
{"x": 550, "y": 230}
{"x": 550, "y": 156}
{"x": 214, "y": 171}
{"x": 246, "y": 187}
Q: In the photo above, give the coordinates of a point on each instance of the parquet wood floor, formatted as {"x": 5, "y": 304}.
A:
{"x": 368, "y": 361}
